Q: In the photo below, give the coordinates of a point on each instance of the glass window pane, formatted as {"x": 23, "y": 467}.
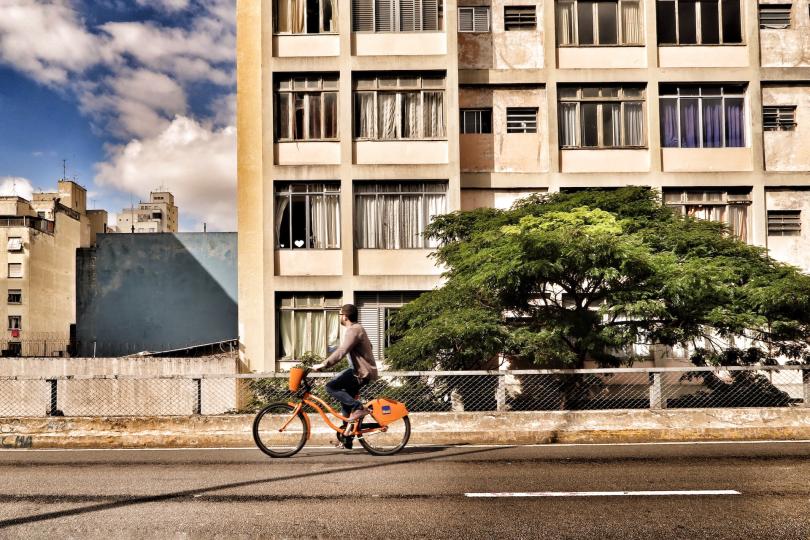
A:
{"x": 329, "y": 22}
{"x": 565, "y": 23}
{"x": 330, "y": 115}
{"x": 283, "y": 116}
{"x": 633, "y": 124}
{"x": 314, "y": 116}
{"x": 631, "y": 22}
{"x": 298, "y": 221}
{"x": 709, "y": 22}
{"x": 611, "y": 126}
{"x": 712, "y": 123}
{"x": 590, "y": 124}
{"x": 690, "y": 123}
{"x": 486, "y": 121}
{"x": 687, "y": 22}
{"x": 313, "y": 17}
{"x": 568, "y": 124}
{"x": 608, "y": 29}
{"x": 585, "y": 22}
{"x": 666, "y": 21}
{"x": 735, "y": 122}
{"x": 732, "y": 22}
{"x": 669, "y": 123}
{"x": 409, "y": 115}
{"x": 299, "y": 131}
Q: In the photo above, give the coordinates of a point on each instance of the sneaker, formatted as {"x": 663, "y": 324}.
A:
{"x": 359, "y": 413}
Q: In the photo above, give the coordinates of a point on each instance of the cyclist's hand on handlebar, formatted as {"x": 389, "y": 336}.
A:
{"x": 317, "y": 367}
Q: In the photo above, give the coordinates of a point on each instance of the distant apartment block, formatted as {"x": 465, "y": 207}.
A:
{"x": 360, "y": 124}
{"x": 156, "y": 216}
{"x": 39, "y": 239}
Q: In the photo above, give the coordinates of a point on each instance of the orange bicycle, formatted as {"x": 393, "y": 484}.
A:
{"x": 281, "y": 429}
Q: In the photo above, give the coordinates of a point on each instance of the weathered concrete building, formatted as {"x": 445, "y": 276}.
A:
{"x": 158, "y": 215}
{"x": 38, "y": 262}
{"x": 359, "y": 121}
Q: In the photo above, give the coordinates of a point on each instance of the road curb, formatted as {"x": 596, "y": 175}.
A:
{"x": 428, "y": 428}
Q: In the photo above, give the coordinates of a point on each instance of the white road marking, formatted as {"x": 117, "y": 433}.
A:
{"x": 693, "y": 492}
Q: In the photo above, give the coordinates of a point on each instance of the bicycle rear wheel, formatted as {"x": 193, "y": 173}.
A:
{"x": 389, "y": 442}
{"x": 268, "y": 435}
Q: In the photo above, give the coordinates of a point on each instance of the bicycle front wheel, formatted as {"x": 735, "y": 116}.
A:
{"x": 390, "y": 441}
{"x": 277, "y": 432}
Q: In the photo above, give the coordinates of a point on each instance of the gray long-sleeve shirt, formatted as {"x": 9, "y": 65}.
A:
{"x": 356, "y": 344}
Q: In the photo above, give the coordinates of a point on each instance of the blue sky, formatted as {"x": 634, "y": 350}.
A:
{"x": 135, "y": 95}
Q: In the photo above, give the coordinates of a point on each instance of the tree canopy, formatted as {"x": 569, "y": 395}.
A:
{"x": 563, "y": 278}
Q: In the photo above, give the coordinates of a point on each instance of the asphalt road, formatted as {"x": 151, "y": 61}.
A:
{"x": 323, "y": 493}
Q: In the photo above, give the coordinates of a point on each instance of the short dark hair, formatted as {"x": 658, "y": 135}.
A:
{"x": 350, "y": 310}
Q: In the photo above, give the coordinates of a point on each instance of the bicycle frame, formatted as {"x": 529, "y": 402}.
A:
{"x": 314, "y": 402}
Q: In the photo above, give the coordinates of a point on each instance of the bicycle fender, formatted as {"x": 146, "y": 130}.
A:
{"x": 306, "y": 418}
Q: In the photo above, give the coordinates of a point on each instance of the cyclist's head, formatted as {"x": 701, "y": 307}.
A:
{"x": 350, "y": 311}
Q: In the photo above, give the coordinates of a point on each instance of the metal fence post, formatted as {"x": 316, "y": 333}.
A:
{"x": 657, "y": 400}
{"x": 52, "y": 390}
{"x": 806, "y": 386}
{"x": 197, "y": 396}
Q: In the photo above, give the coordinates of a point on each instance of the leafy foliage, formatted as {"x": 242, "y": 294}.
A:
{"x": 562, "y": 278}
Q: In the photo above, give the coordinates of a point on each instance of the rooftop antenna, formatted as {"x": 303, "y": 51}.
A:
{"x": 132, "y": 214}
{"x": 64, "y": 169}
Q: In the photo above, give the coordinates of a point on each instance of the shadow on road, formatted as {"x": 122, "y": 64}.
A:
{"x": 132, "y": 501}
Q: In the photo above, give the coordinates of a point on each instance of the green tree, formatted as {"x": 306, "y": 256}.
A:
{"x": 561, "y": 278}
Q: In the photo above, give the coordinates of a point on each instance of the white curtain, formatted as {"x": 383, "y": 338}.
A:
{"x": 332, "y": 329}
{"x": 318, "y": 345}
{"x": 434, "y": 114}
{"x": 366, "y": 223}
{"x": 738, "y": 221}
{"x": 568, "y": 124}
{"x": 436, "y": 205}
{"x": 365, "y": 110}
{"x": 631, "y": 22}
{"x": 298, "y": 10}
{"x": 633, "y": 124}
{"x": 283, "y": 15}
{"x": 390, "y": 221}
{"x": 314, "y": 112}
{"x": 325, "y": 221}
{"x": 301, "y": 334}
{"x": 565, "y": 23}
{"x": 413, "y": 222}
{"x": 386, "y": 114}
{"x": 410, "y": 115}
{"x": 286, "y": 331}
{"x": 283, "y": 112}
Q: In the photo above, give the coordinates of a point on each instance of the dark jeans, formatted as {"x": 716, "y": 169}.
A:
{"x": 343, "y": 388}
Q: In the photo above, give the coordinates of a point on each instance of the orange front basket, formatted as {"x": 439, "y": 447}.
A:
{"x": 296, "y": 374}
{"x": 386, "y": 410}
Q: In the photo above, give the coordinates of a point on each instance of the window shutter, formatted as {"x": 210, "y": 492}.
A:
{"x": 384, "y": 16}
{"x": 363, "y": 15}
{"x": 774, "y": 16}
{"x": 465, "y": 19}
{"x": 409, "y": 16}
{"x": 784, "y": 223}
{"x": 481, "y": 15}
{"x": 430, "y": 15}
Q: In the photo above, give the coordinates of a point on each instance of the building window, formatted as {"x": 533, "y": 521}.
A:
{"x": 375, "y": 311}
{"x": 602, "y": 22}
{"x": 397, "y": 15}
{"x": 308, "y": 324}
{"x": 14, "y": 296}
{"x": 519, "y": 18}
{"x": 473, "y": 19}
{"x": 779, "y": 117}
{"x": 601, "y": 117}
{"x": 15, "y": 270}
{"x": 14, "y": 322}
{"x": 14, "y": 349}
{"x": 703, "y": 116}
{"x": 784, "y": 222}
{"x": 394, "y": 215}
{"x": 306, "y": 108}
{"x": 15, "y": 243}
{"x": 729, "y": 207}
{"x": 476, "y": 120}
{"x": 399, "y": 107}
{"x": 774, "y": 16}
{"x": 308, "y": 216}
{"x": 306, "y": 16}
{"x": 521, "y": 119}
{"x": 699, "y": 22}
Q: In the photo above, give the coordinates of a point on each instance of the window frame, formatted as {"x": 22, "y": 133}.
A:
{"x": 15, "y": 319}
{"x": 698, "y": 25}
{"x": 700, "y": 96}
{"x": 335, "y": 19}
{"x": 479, "y": 114}
{"x": 521, "y": 26}
{"x": 285, "y": 190}
{"x": 389, "y": 189}
{"x": 15, "y": 292}
{"x": 784, "y": 222}
{"x": 521, "y": 110}
{"x": 324, "y": 307}
{"x": 620, "y": 38}
{"x": 726, "y": 198}
{"x": 781, "y": 120}
{"x": 396, "y": 18}
{"x": 472, "y": 10}
{"x": 15, "y": 264}
{"x": 372, "y": 85}
{"x": 287, "y": 85}
{"x": 622, "y": 99}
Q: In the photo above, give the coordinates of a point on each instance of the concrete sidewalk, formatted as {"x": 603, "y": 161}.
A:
{"x": 427, "y": 428}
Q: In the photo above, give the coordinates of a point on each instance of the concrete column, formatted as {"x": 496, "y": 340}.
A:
{"x": 806, "y": 386}
{"x": 500, "y": 393}
{"x": 657, "y": 399}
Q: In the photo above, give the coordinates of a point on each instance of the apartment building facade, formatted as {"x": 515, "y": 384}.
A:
{"x": 360, "y": 120}
{"x": 157, "y": 215}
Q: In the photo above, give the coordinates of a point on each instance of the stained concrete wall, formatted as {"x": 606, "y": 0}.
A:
{"x": 787, "y": 150}
{"x": 790, "y": 249}
{"x": 156, "y": 292}
{"x": 787, "y": 47}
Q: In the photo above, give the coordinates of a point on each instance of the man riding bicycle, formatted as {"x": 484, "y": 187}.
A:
{"x": 362, "y": 368}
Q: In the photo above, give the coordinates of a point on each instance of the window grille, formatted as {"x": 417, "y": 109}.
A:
{"x": 599, "y": 23}
{"x": 784, "y": 222}
{"x": 519, "y": 18}
{"x": 476, "y": 120}
{"x": 774, "y": 16}
{"x": 308, "y": 216}
{"x": 601, "y": 117}
{"x": 521, "y": 119}
{"x": 708, "y": 116}
{"x": 473, "y": 19}
{"x": 699, "y": 22}
{"x": 779, "y": 117}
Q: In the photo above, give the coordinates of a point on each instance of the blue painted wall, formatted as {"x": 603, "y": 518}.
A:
{"x": 155, "y": 292}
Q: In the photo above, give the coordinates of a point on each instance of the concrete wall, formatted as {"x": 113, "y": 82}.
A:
{"x": 788, "y": 150}
{"x": 787, "y": 47}
{"x": 156, "y": 292}
{"x": 791, "y": 249}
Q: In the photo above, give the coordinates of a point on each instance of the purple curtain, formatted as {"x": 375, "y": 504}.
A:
{"x": 735, "y": 123}
{"x": 712, "y": 123}
{"x": 669, "y": 123}
{"x": 690, "y": 123}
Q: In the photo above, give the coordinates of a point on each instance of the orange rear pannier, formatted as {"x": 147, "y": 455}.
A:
{"x": 385, "y": 410}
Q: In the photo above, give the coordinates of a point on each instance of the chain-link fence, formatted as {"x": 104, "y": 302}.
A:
{"x": 527, "y": 390}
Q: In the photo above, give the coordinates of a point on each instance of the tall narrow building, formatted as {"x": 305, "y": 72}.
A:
{"x": 360, "y": 120}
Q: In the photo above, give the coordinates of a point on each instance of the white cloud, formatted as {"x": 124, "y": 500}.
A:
{"x": 223, "y": 110}
{"x": 11, "y": 186}
{"x": 170, "y": 6}
{"x": 195, "y": 162}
